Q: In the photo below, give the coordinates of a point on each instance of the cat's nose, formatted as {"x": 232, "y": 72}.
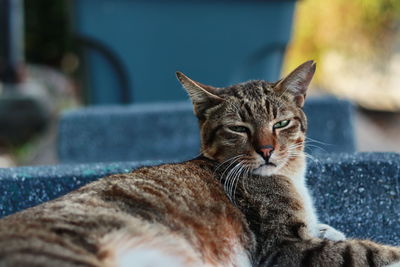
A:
{"x": 265, "y": 151}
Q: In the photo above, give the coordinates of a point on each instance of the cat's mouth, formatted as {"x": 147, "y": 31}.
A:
{"x": 268, "y": 164}
{"x": 266, "y": 168}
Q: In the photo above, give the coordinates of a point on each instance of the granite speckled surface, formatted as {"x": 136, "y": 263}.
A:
{"x": 357, "y": 193}
{"x": 169, "y": 131}
{"x": 24, "y": 187}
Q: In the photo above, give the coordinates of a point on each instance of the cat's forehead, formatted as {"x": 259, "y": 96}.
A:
{"x": 251, "y": 90}
{"x": 259, "y": 93}
{"x": 258, "y": 100}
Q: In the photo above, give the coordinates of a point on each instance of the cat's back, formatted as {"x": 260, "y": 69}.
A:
{"x": 178, "y": 210}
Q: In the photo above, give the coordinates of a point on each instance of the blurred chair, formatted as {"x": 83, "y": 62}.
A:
{"x": 169, "y": 131}
{"x": 133, "y": 47}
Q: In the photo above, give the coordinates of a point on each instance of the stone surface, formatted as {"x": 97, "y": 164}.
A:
{"x": 169, "y": 131}
{"x": 24, "y": 187}
{"x": 359, "y": 194}
{"x": 356, "y": 193}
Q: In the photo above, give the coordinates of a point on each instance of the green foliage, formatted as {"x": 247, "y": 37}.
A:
{"x": 357, "y": 28}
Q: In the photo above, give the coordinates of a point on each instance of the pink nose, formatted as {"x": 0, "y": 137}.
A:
{"x": 265, "y": 151}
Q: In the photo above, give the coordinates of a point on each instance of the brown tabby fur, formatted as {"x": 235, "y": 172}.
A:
{"x": 182, "y": 210}
{"x": 182, "y": 200}
{"x": 274, "y": 211}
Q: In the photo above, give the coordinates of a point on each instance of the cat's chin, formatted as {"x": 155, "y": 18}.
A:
{"x": 265, "y": 170}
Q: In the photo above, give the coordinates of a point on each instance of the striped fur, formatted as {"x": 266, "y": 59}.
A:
{"x": 272, "y": 192}
{"x": 243, "y": 202}
{"x": 176, "y": 211}
{"x": 275, "y": 212}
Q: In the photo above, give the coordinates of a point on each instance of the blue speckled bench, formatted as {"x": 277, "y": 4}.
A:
{"x": 169, "y": 131}
{"x": 357, "y": 193}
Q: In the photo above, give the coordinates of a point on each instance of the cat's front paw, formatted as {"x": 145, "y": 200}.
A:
{"x": 330, "y": 233}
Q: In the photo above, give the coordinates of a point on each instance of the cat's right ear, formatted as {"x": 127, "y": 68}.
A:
{"x": 203, "y": 96}
{"x": 297, "y": 82}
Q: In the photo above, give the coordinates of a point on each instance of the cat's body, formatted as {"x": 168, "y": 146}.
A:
{"x": 274, "y": 210}
{"x": 244, "y": 201}
{"x": 169, "y": 213}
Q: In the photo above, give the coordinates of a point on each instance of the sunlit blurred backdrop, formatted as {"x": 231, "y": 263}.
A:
{"x": 356, "y": 45}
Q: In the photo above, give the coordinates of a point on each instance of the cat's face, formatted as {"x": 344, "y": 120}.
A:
{"x": 256, "y": 126}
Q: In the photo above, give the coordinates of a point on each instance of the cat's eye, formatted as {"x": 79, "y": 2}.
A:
{"x": 281, "y": 124}
{"x": 239, "y": 129}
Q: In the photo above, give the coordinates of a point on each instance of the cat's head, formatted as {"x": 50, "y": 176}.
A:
{"x": 257, "y": 126}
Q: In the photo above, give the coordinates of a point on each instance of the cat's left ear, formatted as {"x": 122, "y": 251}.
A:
{"x": 297, "y": 82}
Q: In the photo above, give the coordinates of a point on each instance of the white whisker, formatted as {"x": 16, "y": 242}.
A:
{"x": 236, "y": 180}
{"x": 229, "y": 180}
{"x": 317, "y": 141}
{"x": 233, "y": 159}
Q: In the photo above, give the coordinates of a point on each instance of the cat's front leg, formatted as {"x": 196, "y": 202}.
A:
{"x": 328, "y": 232}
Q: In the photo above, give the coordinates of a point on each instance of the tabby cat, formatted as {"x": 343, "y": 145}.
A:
{"x": 243, "y": 202}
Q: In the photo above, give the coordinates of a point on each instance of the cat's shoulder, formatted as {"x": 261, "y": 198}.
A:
{"x": 194, "y": 167}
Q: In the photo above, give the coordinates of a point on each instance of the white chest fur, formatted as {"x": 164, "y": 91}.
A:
{"x": 311, "y": 219}
{"x": 315, "y": 228}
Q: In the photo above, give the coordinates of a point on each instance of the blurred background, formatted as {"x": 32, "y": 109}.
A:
{"x": 61, "y": 55}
